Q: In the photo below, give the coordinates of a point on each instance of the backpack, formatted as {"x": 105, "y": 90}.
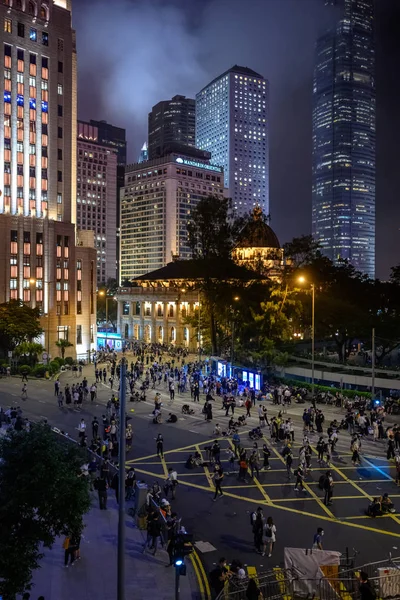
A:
{"x": 66, "y": 543}
{"x": 268, "y": 532}
{"x": 326, "y": 484}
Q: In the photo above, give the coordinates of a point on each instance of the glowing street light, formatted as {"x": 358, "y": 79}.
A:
{"x": 303, "y": 280}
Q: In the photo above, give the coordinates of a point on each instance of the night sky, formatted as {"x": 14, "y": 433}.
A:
{"x": 133, "y": 53}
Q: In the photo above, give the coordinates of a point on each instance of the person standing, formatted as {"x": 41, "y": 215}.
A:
{"x": 390, "y": 448}
{"x": 248, "y": 407}
{"x": 289, "y": 462}
{"x": 236, "y": 443}
{"x": 160, "y": 445}
{"x": 367, "y": 591}
{"x": 82, "y": 428}
{"x": 171, "y": 483}
{"x": 172, "y": 391}
{"x": 253, "y": 461}
{"x": 269, "y": 537}
{"x": 328, "y": 488}
{"x": 95, "y": 428}
{"x": 266, "y": 455}
{"x": 257, "y": 524}
{"x": 299, "y": 479}
{"x": 218, "y": 476}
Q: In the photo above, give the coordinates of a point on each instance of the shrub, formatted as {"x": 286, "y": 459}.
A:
{"x": 324, "y": 388}
{"x": 39, "y": 371}
{"x": 24, "y": 369}
{"x": 69, "y": 361}
{"x": 59, "y": 360}
{"x": 53, "y": 367}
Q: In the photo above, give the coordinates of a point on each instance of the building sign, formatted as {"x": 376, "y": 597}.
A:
{"x": 198, "y": 165}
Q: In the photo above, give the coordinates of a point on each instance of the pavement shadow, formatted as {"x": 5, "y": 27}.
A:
{"x": 238, "y": 544}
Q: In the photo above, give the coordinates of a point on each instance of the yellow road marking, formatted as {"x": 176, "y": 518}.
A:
{"x": 198, "y": 576}
{"x": 164, "y": 465}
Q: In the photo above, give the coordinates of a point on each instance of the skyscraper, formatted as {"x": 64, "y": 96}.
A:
{"x": 114, "y": 137}
{"x": 46, "y": 263}
{"x": 156, "y": 204}
{"x": 343, "y": 208}
{"x": 171, "y": 121}
{"x": 232, "y": 123}
{"x": 96, "y": 200}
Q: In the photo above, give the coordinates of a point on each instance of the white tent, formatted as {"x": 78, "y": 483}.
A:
{"x": 306, "y": 567}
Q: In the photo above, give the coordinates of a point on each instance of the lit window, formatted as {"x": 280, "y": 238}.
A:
{"x": 60, "y": 89}
{"x": 45, "y": 106}
{"x": 45, "y": 38}
{"x": 7, "y": 25}
{"x": 33, "y": 34}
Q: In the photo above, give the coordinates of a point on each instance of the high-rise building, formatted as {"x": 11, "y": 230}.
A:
{"x": 156, "y": 204}
{"x": 96, "y": 199}
{"x": 144, "y": 153}
{"x": 114, "y": 137}
{"x": 343, "y": 208}
{"x": 232, "y": 123}
{"x": 46, "y": 263}
{"x": 171, "y": 121}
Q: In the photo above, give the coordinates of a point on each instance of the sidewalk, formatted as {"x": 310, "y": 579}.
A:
{"x": 94, "y": 576}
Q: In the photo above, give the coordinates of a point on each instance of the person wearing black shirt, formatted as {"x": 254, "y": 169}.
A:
{"x": 101, "y": 487}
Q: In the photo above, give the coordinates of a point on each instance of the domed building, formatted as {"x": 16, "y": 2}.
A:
{"x": 258, "y": 246}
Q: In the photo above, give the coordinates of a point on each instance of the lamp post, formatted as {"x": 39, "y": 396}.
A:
{"x": 199, "y": 328}
{"x": 107, "y": 297}
{"x": 303, "y": 280}
{"x": 121, "y": 484}
{"x": 236, "y": 299}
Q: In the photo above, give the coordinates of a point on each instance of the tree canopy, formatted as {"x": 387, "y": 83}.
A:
{"x": 41, "y": 497}
{"x": 18, "y": 323}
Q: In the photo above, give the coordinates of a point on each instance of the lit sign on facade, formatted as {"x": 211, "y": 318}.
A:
{"x": 198, "y": 165}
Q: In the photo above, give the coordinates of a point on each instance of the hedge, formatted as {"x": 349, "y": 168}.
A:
{"x": 324, "y": 388}
{"x": 24, "y": 369}
{"x": 39, "y": 370}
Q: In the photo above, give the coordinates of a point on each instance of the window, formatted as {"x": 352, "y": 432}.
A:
{"x": 59, "y": 154}
{"x": 60, "y": 110}
{"x": 21, "y": 30}
{"x": 7, "y": 25}
{"x": 62, "y": 332}
{"x": 60, "y": 89}
{"x": 59, "y": 198}
{"x": 79, "y": 334}
{"x": 45, "y": 62}
{"x": 7, "y": 50}
{"x": 31, "y": 9}
{"x": 45, "y": 38}
{"x": 60, "y": 66}
{"x": 43, "y": 13}
{"x": 20, "y": 54}
{"x": 60, "y": 132}
{"x": 33, "y": 34}
{"x": 59, "y": 176}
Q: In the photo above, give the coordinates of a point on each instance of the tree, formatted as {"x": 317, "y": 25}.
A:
{"x": 31, "y": 350}
{"x": 212, "y": 232}
{"x": 18, "y": 323}
{"x": 41, "y": 497}
{"x": 63, "y": 345}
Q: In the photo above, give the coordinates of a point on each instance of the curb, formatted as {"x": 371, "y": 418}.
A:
{"x": 201, "y": 575}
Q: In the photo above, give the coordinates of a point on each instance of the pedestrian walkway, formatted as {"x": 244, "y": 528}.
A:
{"x": 94, "y": 576}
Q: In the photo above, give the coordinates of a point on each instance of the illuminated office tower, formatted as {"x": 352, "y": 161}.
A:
{"x": 232, "y": 123}
{"x": 46, "y": 262}
{"x": 171, "y": 122}
{"x": 343, "y": 190}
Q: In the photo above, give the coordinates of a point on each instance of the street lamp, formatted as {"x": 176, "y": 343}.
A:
{"x": 302, "y": 279}
{"x": 236, "y": 299}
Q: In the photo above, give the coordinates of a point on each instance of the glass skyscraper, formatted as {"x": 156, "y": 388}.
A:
{"x": 343, "y": 206}
{"x": 232, "y": 123}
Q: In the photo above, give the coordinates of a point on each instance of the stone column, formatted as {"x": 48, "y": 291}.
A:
{"x": 153, "y": 322}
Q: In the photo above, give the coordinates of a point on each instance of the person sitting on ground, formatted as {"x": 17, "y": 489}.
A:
{"x": 190, "y": 464}
{"x": 217, "y": 429}
{"x": 172, "y": 418}
{"x": 386, "y": 504}
{"x": 374, "y": 509}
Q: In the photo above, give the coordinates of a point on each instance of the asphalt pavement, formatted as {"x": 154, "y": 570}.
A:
{"x": 222, "y": 528}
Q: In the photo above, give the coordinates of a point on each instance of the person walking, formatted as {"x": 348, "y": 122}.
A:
{"x": 236, "y": 443}
{"x": 248, "y": 407}
{"x": 172, "y": 391}
{"x": 299, "y": 479}
{"x": 317, "y": 541}
{"x": 68, "y": 551}
{"x": 82, "y": 428}
{"x": 367, "y": 591}
{"x": 101, "y": 486}
{"x": 269, "y": 537}
{"x": 24, "y": 392}
{"x": 160, "y": 445}
{"x": 218, "y": 477}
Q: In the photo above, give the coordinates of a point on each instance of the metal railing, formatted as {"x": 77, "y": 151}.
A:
{"x": 274, "y": 585}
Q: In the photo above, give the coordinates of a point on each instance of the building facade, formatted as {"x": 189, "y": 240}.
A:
{"x": 343, "y": 193}
{"x": 114, "y": 138}
{"x": 96, "y": 199}
{"x": 38, "y": 242}
{"x": 232, "y": 122}
{"x": 171, "y": 121}
{"x": 156, "y": 205}
{"x": 158, "y": 315}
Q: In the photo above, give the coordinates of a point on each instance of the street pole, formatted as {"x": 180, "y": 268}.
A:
{"x": 312, "y": 339}
{"x": 177, "y": 582}
{"x": 199, "y": 330}
{"x": 121, "y": 484}
{"x": 373, "y": 366}
{"x": 232, "y": 346}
